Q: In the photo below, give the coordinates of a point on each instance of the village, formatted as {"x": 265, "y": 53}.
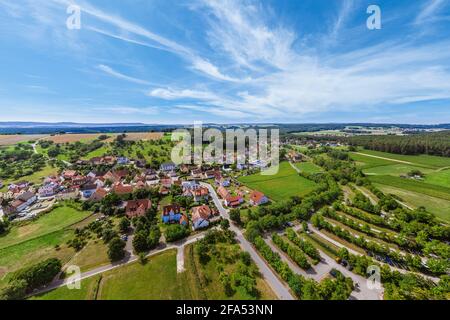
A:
{"x": 123, "y": 178}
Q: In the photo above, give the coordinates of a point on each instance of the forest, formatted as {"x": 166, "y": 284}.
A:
{"x": 436, "y": 143}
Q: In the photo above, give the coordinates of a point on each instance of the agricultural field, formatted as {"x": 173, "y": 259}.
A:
{"x": 71, "y": 138}
{"x": 388, "y": 170}
{"x": 285, "y": 184}
{"x": 144, "y": 136}
{"x": 8, "y": 140}
{"x": 439, "y": 207}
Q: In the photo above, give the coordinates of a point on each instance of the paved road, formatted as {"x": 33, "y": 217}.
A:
{"x": 322, "y": 269}
{"x": 274, "y": 282}
{"x": 340, "y": 245}
{"x": 129, "y": 258}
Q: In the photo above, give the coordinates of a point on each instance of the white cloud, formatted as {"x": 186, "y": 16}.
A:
{"x": 428, "y": 10}
{"x": 110, "y": 71}
{"x": 172, "y": 94}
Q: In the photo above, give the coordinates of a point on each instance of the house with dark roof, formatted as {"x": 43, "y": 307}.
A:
{"x": 168, "y": 166}
{"x": 137, "y": 208}
{"x": 171, "y": 214}
{"x": 88, "y": 189}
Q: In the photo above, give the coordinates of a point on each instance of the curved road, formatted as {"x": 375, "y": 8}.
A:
{"x": 274, "y": 282}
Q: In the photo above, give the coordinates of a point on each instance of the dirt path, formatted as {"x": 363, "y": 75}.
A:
{"x": 383, "y": 158}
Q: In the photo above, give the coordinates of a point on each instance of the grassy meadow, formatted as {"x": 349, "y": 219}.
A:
{"x": 285, "y": 184}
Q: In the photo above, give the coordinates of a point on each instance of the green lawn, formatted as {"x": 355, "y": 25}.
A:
{"x": 413, "y": 185}
{"x": 439, "y": 207}
{"x": 439, "y": 178}
{"x": 282, "y": 186}
{"x": 100, "y": 152}
{"x": 33, "y": 251}
{"x": 156, "y": 280}
{"x": 57, "y": 219}
{"x": 87, "y": 291}
{"x": 308, "y": 167}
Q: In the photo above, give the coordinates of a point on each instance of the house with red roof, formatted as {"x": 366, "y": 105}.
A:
{"x": 201, "y": 216}
{"x": 258, "y": 198}
{"x": 223, "y": 193}
{"x": 137, "y": 208}
{"x": 234, "y": 201}
{"x": 122, "y": 189}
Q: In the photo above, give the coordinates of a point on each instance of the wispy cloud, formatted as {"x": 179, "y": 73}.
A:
{"x": 173, "y": 94}
{"x": 110, "y": 71}
{"x": 428, "y": 11}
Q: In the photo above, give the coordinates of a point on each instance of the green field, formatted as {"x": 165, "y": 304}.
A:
{"x": 88, "y": 291}
{"x": 412, "y": 185}
{"x": 36, "y": 178}
{"x": 439, "y": 178}
{"x": 58, "y": 219}
{"x": 156, "y": 280}
{"x": 395, "y": 170}
{"x": 439, "y": 207}
{"x": 282, "y": 186}
{"x": 308, "y": 167}
{"x": 432, "y": 162}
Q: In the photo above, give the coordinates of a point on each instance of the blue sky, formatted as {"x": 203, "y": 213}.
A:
{"x": 164, "y": 61}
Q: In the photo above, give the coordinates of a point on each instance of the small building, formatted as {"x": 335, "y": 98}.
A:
{"x": 223, "y": 193}
{"x": 122, "y": 189}
{"x": 201, "y": 216}
{"x": 123, "y": 160}
{"x": 137, "y": 208}
{"x": 234, "y": 201}
{"x": 69, "y": 174}
{"x": 88, "y": 190}
{"x": 171, "y": 214}
{"x": 98, "y": 195}
{"x": 168, "y": 166}
{"x": 258, "y": 198}
{"x": 49, "y": 189}
{"x": 68, "y": 194}
{"x": 200, "y": 194}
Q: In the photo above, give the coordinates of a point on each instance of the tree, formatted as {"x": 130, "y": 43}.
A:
{"x": 124, "y": 225}
{"x": 116, "y": 249}
{"x": 153, "y": 237}
{"x": 39, "y": 274}
{"x": 140, "y": 241}
{"x": 235, "y": 216}
{"x": 225, "y": 224}
{"x": 15, "y": 290}
{"x": 176, "y": 232}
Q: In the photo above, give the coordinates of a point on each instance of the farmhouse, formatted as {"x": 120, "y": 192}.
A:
{"x": 137, "y": 208}
{"x": 258, "y": 198}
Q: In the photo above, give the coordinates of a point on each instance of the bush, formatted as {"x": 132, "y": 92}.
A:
{"x": 116, "y": 249}
{"x": 15, "y": 290}
{"x": 39, "y": 274}
{"x": 176, "y": 232}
